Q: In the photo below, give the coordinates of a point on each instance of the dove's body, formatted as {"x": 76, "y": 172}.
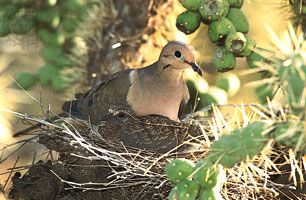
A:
{"x": 157, "y": 89}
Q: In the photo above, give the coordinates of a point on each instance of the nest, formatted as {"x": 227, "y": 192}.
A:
{"x": 87, "y": 166}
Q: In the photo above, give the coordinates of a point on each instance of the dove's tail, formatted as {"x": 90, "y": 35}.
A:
{"x": 72, "y": 108}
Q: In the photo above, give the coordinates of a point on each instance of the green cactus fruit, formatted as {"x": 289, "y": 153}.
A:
{"x": 211, "y": 10}
{"x": 46, "y": 73}
{"x": 214, "y": 95}
{"x": 196, "y": 85}
{"x": 235, "y": 3}
{"x": 239, "y": 145}
{"x": 207, "y": 194}
{"x": 219, "y": 29}
{"x": 193, "y": 5}
{"x": 254, "y": 59}
{"x": 235, "y": 42}
{"x": 249, "y": 47}
{"x": 228, "y": 82}
{"x": 26, "y": 80}
{"x": 185, "y": 190}
{"x": 224, "y": 60}
{"x": 179, "y": 169}
{"x": 239, "y": 20}
{"x": 188, "y": 21}
{"x": 59, "y": 83}
{"x": 207, "y": 177}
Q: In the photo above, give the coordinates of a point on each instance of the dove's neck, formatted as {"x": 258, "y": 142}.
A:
{"x": 156, "y": 92}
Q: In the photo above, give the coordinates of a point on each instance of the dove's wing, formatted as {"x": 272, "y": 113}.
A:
{"x": 184, "y": 102}
{"x": 95, "y": 103}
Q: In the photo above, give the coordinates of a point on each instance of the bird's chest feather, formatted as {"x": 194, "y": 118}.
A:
{"x": 156, "y": 97}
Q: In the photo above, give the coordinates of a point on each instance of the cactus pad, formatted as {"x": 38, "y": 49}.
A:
{"x": 240, "y": 144}
{"x": 179, "y": 169}
{"x": 185, "y": 190}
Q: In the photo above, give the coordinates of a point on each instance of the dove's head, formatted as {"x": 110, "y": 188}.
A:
{"x": 178, "y": 56}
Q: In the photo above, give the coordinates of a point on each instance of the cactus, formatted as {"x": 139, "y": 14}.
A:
{"x": 185, "y": 190}
{"x": 235, "y": 3}
{"x": 239, "y": 145}
{"x": 224, "y": 60}
{"x": 207, "y": 194}
{"x": 26, "y": 79}
{"x": 239, "y": 20}
{"x": 211, "y": 10}
{"x": 284, "y": 135}
{"x": 188, "y": 21}
{"x": 228, "y": 82}
{"x": 193, "y": 5}
{"x": 54, "y": 23}
{"x": 214, "y": 95}
{"x": 4, "y": 28}
{"x": 249, "y": 47}
{"x": 253, "y": 59}
{"x": 207, "y": 176}
{"x": 46, "y": 73}
{"x": 295, "y": 86}
{"x": 219, "y": 29}
{"x": 235, "y": 42}
{"x": 179, "y": 169}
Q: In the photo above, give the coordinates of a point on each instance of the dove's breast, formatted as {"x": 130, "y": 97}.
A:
{"x": 150, "y": 95}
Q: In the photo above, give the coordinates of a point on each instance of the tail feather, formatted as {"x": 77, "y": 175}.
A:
{"x": 72, "y": 108}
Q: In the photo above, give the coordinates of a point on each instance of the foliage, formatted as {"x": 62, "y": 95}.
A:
{"x": 55, "y": 23}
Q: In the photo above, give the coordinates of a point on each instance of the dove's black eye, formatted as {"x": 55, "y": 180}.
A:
{"x": 121, "y": 114}
{"x": 178, "y": 54}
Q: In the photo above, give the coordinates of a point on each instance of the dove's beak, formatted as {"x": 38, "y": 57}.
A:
{"x": 195, "y": 67}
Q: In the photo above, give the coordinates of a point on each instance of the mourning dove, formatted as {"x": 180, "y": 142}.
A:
{"x": 156, "y": 89}
{"x": 154, "y": 133}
